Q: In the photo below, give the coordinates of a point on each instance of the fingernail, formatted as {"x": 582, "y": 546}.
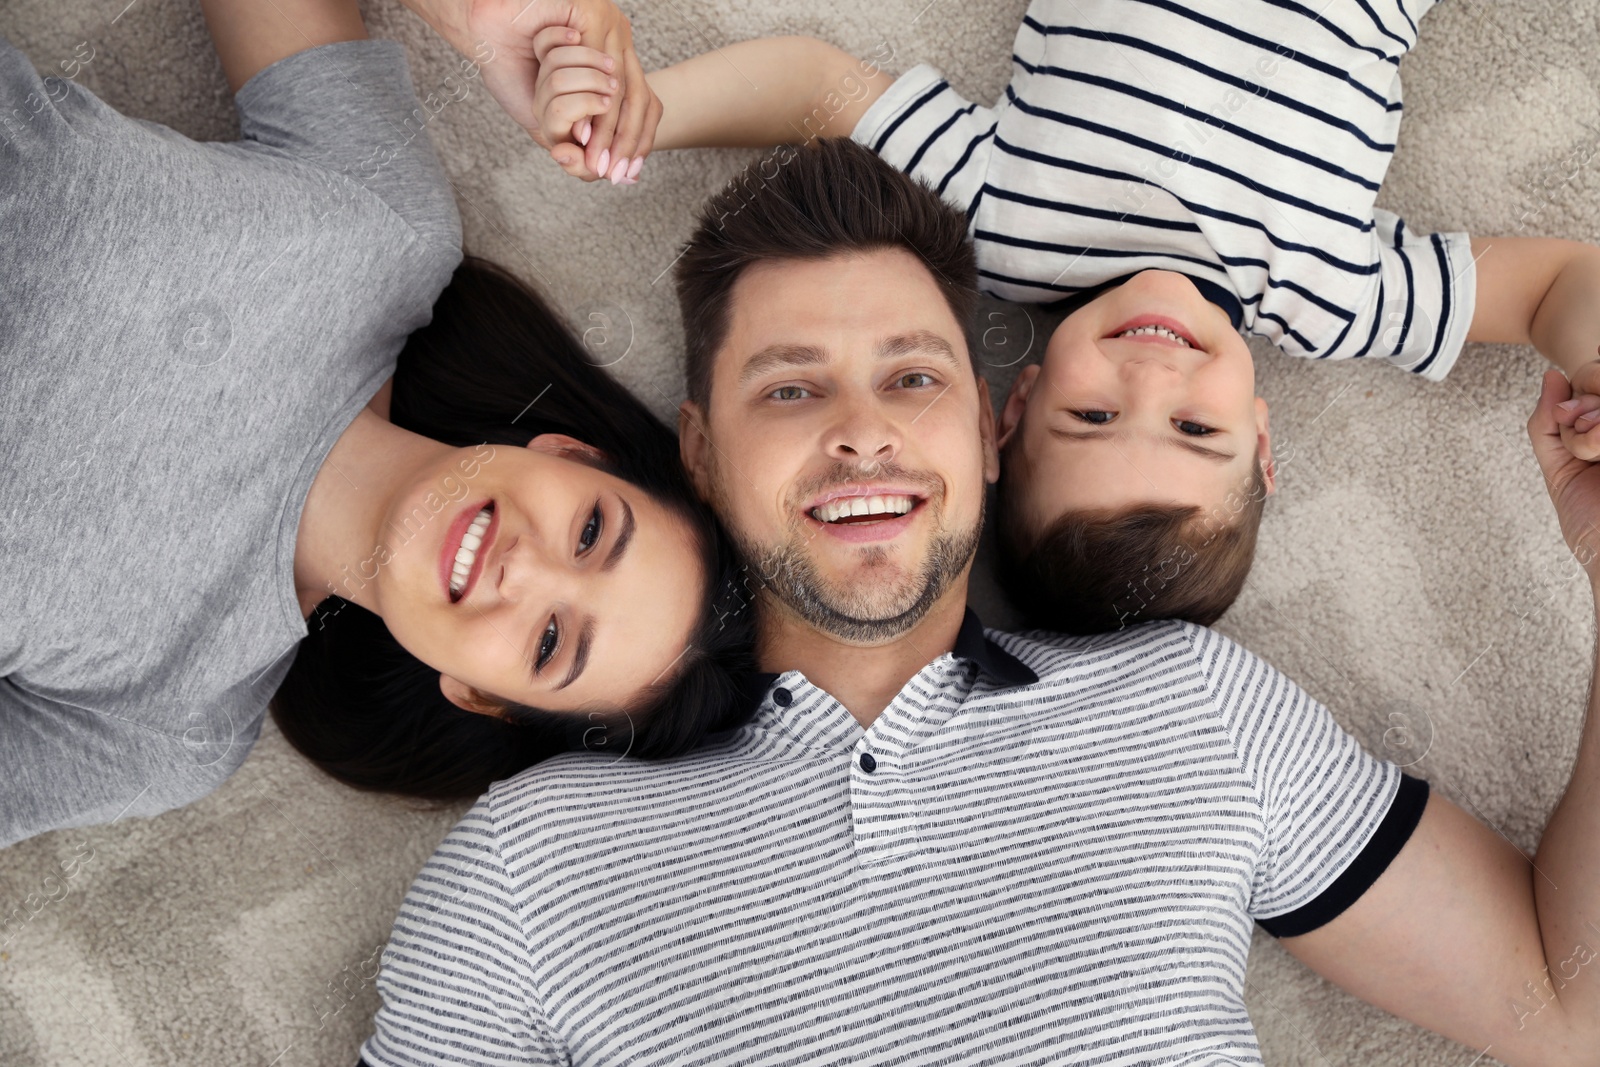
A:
{"x": 1569, "y": 405}
{"x": 629, "y": 181}
{"x": 583, "y": 132}
{"x": 605, "y": 158}
{"x": 572, "y": 35}
{"x": 619, "y": 170}
{"x": 633, "y": 168}
{"x": 612, "y": 82}
{"x": 610, "y": 63}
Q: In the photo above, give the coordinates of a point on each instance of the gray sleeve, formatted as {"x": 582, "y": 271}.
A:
{"x": 351, "y": 109}
{"x": 455, "y": 977}
{"x": 63, "y": 766}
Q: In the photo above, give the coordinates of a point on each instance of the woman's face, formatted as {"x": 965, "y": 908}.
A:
{"x": 530, "y": 575}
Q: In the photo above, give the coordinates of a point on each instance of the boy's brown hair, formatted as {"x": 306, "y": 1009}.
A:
{"x": 812, "y": 201}
{"x": 1095, "y": 571}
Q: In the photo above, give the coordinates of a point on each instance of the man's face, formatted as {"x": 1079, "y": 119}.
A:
{"x": 847, "y": 441}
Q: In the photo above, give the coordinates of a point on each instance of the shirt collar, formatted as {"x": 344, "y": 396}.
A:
{"x": 971, "y": 644}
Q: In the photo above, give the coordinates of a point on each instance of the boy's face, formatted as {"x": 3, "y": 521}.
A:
{"x": 1114, "y": 418}
{"x": 844, "y": 386}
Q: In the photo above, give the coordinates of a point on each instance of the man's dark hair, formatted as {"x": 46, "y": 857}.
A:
{"x": 369, "y": 713}
{"x": 1089, "y": 572}
{"x": 826, "y": 197}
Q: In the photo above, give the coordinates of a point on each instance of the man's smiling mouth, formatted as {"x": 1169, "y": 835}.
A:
{"x": 863, "y": 510}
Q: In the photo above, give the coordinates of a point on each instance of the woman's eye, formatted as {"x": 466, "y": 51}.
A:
{"x": 788, "y": 392}
{"x": 1193, "y": 429}
{"x": 548, "y": 643}
{"x": 1098, "y": 418}
{"x": 591, "y": 529}
{"x": 914, "y": 380}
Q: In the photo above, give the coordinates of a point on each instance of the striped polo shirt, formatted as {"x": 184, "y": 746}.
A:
{"x": 1239, "y": 142}
{"x": 1046, "y": 848}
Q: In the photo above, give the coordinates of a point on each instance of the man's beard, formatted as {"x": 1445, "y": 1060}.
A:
{"x": 863, "y": 612}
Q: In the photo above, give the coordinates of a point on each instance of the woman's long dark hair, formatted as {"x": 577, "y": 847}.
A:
{"x": 366, "y": 711}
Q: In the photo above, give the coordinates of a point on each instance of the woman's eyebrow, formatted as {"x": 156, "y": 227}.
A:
{"x": 620, "y": 545}
{"x": 580, "y": 658}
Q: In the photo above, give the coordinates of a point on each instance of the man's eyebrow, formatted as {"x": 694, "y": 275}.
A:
{"x": 580, "y": 658}
{"x": 783, "y": 355}
{"x": 620, "y": 545}
{"x": 1214, "y": 454}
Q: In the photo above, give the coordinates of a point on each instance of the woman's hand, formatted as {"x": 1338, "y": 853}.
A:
{"x": 524, "y": 35}
{"x": 575, "y": 92}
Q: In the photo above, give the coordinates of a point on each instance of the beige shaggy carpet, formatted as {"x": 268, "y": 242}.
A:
{"x": 1410, "y": 573}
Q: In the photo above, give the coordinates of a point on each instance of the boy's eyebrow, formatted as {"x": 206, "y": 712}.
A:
{"x": 1215, "y": 454}
{"x": 787, "y": 355}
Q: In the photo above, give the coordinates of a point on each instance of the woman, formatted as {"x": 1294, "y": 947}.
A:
{"x": 191, "y": 335}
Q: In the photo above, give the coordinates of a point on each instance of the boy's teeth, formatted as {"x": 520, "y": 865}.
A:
{"x": 849, "y": 507}
{"x": 1162, "y": 330}
{"x": 470, "y": 543}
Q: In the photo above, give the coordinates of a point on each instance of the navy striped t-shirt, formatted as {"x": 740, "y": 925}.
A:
{"x": 1240, "y": 142}
{"x": 1046, "y": 849}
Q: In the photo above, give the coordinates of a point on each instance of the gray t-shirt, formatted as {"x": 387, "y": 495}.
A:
{"x": 185, "y": 330}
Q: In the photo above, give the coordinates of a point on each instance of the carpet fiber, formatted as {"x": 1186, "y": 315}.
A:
{"x": 1410, "y": 573}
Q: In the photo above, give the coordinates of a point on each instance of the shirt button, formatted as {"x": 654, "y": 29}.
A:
{"x": 868, "y": 764}
{"x": 782, "y": 697}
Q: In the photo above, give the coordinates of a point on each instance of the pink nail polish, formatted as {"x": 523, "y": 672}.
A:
{"x": 633, "y": 168}
{"x": 605, "y": 159}
{"x": 629, "y": 181}
{"x": 619, "y": 170}
{"x": 583, "y": 131}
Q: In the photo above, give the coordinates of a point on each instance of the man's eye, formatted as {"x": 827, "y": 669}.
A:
{"x": 591, "y": 529}
{"x": 788, "y": 392}
{"x": 1098, "y": 418}
{"x": 548, "y": 643}
{"x": 1193, "y": 429}
{"x": 914, "y": 380}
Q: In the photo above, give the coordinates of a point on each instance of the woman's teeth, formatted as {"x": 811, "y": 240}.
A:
{"x": 1158, "y": 330}
{"x": 850, "y": 507}
{"x": 468, "y": 551}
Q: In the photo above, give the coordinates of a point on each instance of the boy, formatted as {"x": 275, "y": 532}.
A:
{"x": 1174, "y": 174}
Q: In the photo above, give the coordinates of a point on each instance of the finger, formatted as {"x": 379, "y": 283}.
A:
{"x": 579, "y": 80}
{"x": 1584, "y": 446}
{"x": 571, "y": 110}
{"x": 598, "y": 151}
{"x": 1581, "y": 406}
{"x": 1586, "y": 379}
{"x": 551, "y": 38}
{"x": 635, "y": 106}
{"x": 1544, "y": 432}
{"x": 577, "y": 55}
{"x": 569, "y": 157}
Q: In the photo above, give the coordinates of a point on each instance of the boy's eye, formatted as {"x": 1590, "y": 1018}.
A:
{"x": 788, "y": 392}
{"x": 1193, "y": 429}
{"x": 914, "y": 380}
{"x": 549, "y": 641}
{"x": 1097, "y": 418}
{"x": 591, "y": 529}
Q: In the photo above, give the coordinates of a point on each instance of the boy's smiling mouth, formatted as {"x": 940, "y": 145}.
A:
{"x": 1155, "y": 329}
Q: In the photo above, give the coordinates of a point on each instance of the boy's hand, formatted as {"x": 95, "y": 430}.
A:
{"x": 1573, "y": 482}
{"x": 574, "y": 96}
{"x": 513, "y": 74}
{"x": 1579, "y": 417}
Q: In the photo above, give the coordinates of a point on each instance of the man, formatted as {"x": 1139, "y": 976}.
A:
{"x": 932, "y": 844}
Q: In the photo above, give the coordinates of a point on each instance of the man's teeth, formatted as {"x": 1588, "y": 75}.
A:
{"x": 848, "y": 507}
{"x": 1159, "y": 330}
{"x": 468, "y": 551}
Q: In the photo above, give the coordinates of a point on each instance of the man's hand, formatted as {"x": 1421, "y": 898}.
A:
{"x": 616, "y": 135}
{"x": 1566, "y": 457}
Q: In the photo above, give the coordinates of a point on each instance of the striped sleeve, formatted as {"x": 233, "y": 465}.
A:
{"x": 455, "y": 980}
{"x": 922, "y": 127}
{"x": 1324, "y": 798}
{"x": 1421, "y": 304}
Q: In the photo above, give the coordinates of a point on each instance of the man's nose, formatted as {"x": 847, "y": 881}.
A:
{"x": 864, "y": 432}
